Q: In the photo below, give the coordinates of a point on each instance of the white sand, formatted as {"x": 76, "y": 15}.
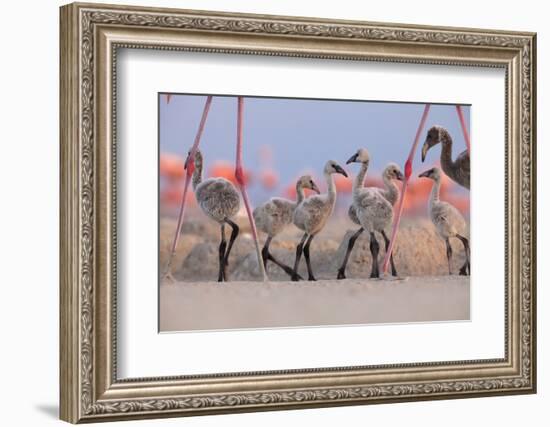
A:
{"x": 211, "y": 305}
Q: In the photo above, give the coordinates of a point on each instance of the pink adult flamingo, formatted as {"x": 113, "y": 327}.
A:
{"x": 239, "y": 175}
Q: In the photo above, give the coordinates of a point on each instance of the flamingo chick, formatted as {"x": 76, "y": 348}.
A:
{"x": 390, "y": 192}
{"x": 459, "y": 169}
{"x": 447, "y": 220}
{"x": 276, "y": 214}
{"x": 373, "y": 210}
{"x": 312, "y": 214}
{"x": 220, "y": 201}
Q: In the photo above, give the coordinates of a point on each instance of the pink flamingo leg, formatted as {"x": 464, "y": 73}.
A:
{"x": 408, "y": 173}
{"x": 239, "y": 175}
{"x": 463, "y": 125}
{"x": 189, "y": 167}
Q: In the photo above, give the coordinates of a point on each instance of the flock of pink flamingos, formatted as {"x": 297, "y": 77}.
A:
{"x": 374, "y": 208}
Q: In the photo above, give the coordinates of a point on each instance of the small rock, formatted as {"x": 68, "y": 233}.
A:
{"x": 200, "y": 264}
{"x": 185, "y": 245}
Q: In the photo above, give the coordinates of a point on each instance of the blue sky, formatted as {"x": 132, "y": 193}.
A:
{"x": 304, "y": 134}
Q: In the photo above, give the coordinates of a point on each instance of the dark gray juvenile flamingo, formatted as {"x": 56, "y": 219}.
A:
{"x": 459, "y": 169}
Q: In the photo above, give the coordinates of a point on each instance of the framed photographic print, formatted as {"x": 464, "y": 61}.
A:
{"x": 266, "y": 212}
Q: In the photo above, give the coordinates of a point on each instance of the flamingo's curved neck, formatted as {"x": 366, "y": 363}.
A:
{"x": 197, "y": 173}
{"x": 299, "y": 193}
{"x": 446, "y": 148}
{"x": 331, "y": 186}
{"x": 391, "y": 192}
{"x": 359, "y": 180}
{"x": 434, "y": 197}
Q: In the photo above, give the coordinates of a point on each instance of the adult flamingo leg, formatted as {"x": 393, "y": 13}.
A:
{"x": 408, "y": 173}
{"x": 239, "y": 175}
{"x": 189, "y": 167}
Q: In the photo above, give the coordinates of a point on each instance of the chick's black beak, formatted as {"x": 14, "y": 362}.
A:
{"x": 399, "y": 176}
{"x": 424, "y": 174}
{"x": 352, "y": 159}
{"x": 339, "y": 169}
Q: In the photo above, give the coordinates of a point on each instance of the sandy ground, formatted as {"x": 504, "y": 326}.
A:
{"x": 195, "y": 302}
{"x": 210, "y": 305}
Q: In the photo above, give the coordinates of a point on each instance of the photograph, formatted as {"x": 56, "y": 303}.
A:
{"x": 281, "y": 212}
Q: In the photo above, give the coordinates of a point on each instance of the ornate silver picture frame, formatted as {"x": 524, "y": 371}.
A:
{"x": 91, "y": 35}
